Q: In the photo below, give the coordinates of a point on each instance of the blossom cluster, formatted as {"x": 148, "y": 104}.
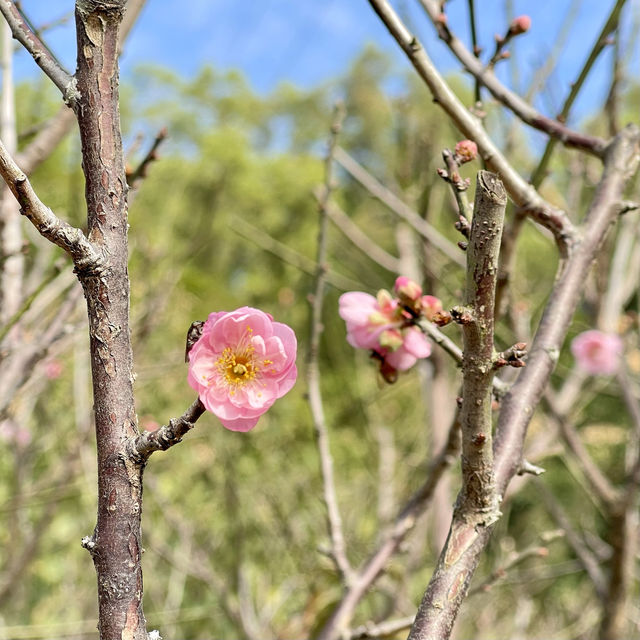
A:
{"x": 384, "y": 323}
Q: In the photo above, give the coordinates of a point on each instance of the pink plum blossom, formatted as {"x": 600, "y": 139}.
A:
{"x": 414, "y": 346}
{"x": 11, "y": 432}
{"x": 380, "y": 324}
{"x": 242, "y": 363}
{"x": 596, "y": 352}
{"x": 430, "y": 305}
{"x": 367, "y": 317}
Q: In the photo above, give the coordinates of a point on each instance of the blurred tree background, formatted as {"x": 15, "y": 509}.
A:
{"x": 234, "y": 524}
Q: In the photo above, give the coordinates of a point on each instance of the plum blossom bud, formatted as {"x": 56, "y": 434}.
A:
{"x": 466, "y": 151}
{"x": 53, "y": 369}
{"x": 407, "y": 290}
{"x": 441, "y": 18}
{"x": 597, "y": 353}
{"x": 430, "y": 305}
{"x": 519, "y": 25}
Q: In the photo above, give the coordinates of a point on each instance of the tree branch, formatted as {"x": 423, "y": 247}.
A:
{"x": 358, "y": 238}
{"x": 400, "y": 208}
{"x": 65, "y": 82}
{"x": 486, "y": 76}
{"x": 85, "y": 256}
{"x": 521, "y": 192}
{"x": 406, "y": 520}
{"x": 334, "y": 520}
{"x": 621, "y": 162}
{"x": 601, "y": 42}
{"x": 143, "y": 445}
{"x": 477, "y": 506}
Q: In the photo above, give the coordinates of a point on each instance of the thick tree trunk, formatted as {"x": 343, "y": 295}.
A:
{"x": 116, "y": 543}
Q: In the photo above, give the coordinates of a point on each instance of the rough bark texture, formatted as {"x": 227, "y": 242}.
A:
{"x": 477, "y": 506}
{"x": 116, "y": 543}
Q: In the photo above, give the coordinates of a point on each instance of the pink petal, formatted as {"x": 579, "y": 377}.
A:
{"x": 401, "y": 359}
{"x": 241, "y": 424}
{"x": 416, "y": 343}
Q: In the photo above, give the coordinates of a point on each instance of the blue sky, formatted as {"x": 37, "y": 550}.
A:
{"x": 307, "y": 41}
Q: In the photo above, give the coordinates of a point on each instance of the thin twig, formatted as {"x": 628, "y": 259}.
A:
{"x": 334, "y": 520}
{"x": 521, "y": 192}
{"x": 135, "y": 176}
{"x": 517, "y": 558}
{"x": 587, "y": 559}
{"x": 166, "y": 436}
{"x": 528, "y": 114}
{"x": 381, "y": 630}
{"x": 400, "y": 208}
{"x": 405, "y": 522}
{"x": 474, "y": 45}
{"x": 601, "y": 42}
{"x": 44, "y": 59}
{"x": 600, "y": 484}
{"x": 72, "y": 240}
{"x": 358, "y": 238}
{"x": 252, "y": 233}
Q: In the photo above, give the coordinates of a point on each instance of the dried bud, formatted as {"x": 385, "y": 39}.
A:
{"x": 441, "y": 318}
{"x": 466, "y": 151}
{"x": 519, "y": 25}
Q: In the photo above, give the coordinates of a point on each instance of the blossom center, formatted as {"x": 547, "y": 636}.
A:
{"x": 237, "y": 368}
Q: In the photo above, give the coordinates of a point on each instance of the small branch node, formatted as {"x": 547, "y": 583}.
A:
{"x": 462, "y": 315}
{"x": 88, "y": 543}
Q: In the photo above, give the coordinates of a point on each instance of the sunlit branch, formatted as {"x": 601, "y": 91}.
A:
{"x": 334, "y": 520}
{"x": 521, "y": 192}
{"x": 510, "y": 99}
{"x": 72, "y": 240}
{"x": 39, "y": 51}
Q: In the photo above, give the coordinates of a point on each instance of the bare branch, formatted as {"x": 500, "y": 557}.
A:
{"x": 517, "y": 558}
{"x": 47, "y": 139}
{"x": 521, "y": 192}
{"x": 261, "y": 238}
{"x": 72, "y": 240}
{"x": 334, "y": 520}
{"x": 620, "y": 163}
{"x": 600, "y": 484}
{"x": 401, "y": 209}
{"x": 383, "y": 630}
{"x": 44, "y": 59}
{"x": 358, "y": 238}
{"x": 406, "y": 520}
{"x": 587, "y": 559}
{"x": 478, "y": 495}
{"x": 135, "y": 176}
{"x": 508, "y": 98}
{"x": 601, "y": 42}
{"x": 141, "y": 447}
